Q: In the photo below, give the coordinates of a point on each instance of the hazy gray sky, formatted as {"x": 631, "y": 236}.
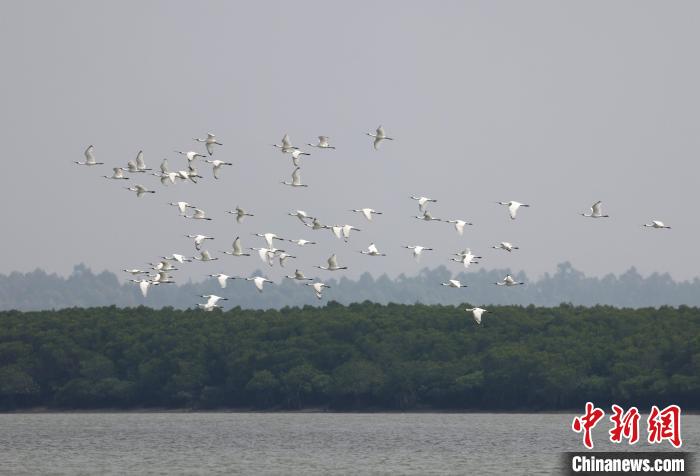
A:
{"x": 556, "y": 104}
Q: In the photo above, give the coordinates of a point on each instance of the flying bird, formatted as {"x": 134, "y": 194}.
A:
{"x": 209, "y": 142}
{"x": 89, "y": 157}
{"x": 423, "y": 201}
{"x": 508, "y": 281}
{"x": 596, "y": 211}
{"x": 216, "y": 166}
{"x": 379, "y": 136}
{"x": 657, "y": 224}
{"x": 296, "y": 179}
{"x": 504, "y": 245}
{"x": 240, "y": 214}
{"x": 322, "y": 143}
{"x": 367, "y": 212}
{"x": 332, "y": 264}
{"x": 372, "y": 251}
{"x": 237, "y": 249}
{"x": 513, "y": 207}
{"x": 477, "y": 312}
{"x": 459, "y": 225}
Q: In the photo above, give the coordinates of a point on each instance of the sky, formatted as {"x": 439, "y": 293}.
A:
{"x": 554, "y": 104}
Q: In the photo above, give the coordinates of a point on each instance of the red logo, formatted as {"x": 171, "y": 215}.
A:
{"x": 661, "y": 425}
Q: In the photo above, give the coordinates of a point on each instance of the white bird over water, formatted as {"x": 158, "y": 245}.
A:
{"x": 423, "y": 201}
{"x": 286, "y": 145}
{"x": 183, "y": 206}
{"x": 216, "y": 166}
{"x": 596, "y": 211}
{"x": 477, "y": 312}
{"x": 199, "y": 239}
{"x": 318, "y": 288}
{"x": 140, "y": 190}
{"x": 322, "y": 143}
{"x": 237, "y": 249}
{"x": 379, "y": 136}
{"x": 209, "y": 142}
{"x": 191, "y": 155}
{"x": 332, "y": 264}
{"x": 222, "y": 278}
{"x": 508, "y": 281}
{"x": 198, "y": 215}
{"x": 459, "y": 225}
{"x": 657, "y": 224}
{"x": 367, "y": 212}
{"x": 296, "y": 156}
{"x": 299, "y": 276}
{"x": 117, "y": 175}
{"x": 454, "y": 283}
{"x": 513, "y": 207}
{"x": 504, "y": 245}
{"x": 89, "y": 157}
{"x": 372, "y": 251}
{"x": 296, "y": 179}
{"x": 240, "y": 214}
{"x": 418, "y": 250}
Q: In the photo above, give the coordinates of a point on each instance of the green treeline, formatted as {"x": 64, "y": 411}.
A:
{"x": 361, "y": 356}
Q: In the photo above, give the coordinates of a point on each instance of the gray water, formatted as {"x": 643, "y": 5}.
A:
{"x": 299, "y": 443}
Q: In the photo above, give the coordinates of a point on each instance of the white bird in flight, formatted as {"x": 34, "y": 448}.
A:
{"x": 259, "y": 281}
{"x": 332, "y": 264}
{"x": 296, "y": 179}
{"x": 282, "y": 257}
{"x": 367, "y": 212}
{"x": 140, "y": 190}
{"x": 318, "y": 288}
{"x": 301, "y": 215}
{"x": 322, "y": 143}
{"x": 199, "y": 239}
{"x": 477, "y": 312}
{"x": 209, "y": 142}
{"x": 237, "y": 249}
{"x": 182, "y": 206}
{"x": 212, "y": 301}
{"x": 302, "y": 242}
{"x": 269, "y": 237}
{"x": 423, "y": 201}
{"x": 418, "y": 250}
{"x": 427, "y": 217}
{"x": 466, "y": 257}
{"x": 504, "y": 245}
{"x": 508, "y": 281}
{"x": 459, "y": 225}
{"x": 177, "y": 257}
{"x": 286, "y": 145}
{"x": 135, "y": 271}
{"x": 372, "y": 251}
{"x": 89, "y": 157}
{"x": 216, "y": 166}
{"x": 379, "y": 136}
{"x": 222, "y": 278}
{"x": 657, "y": 224}
{"x": 240, "y": 214}
{"x": 117, "y": 175}
{"x": 596, "y": 211}
{"x": 299, "y": 276}
{"x": 296, "y": 156}
{"x": 144, "y": 284}
{"x": 198, "y": 214}
{"x": 191, "y": 155}
{"x": 454, "y": 283}
{"x": 513, "y": 207}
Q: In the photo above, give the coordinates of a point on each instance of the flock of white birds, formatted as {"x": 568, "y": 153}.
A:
{"x": 160, "y": 271}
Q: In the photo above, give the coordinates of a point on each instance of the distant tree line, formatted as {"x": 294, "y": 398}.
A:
{"x": 38, "y": 290}
{"x": 359, "y": 357}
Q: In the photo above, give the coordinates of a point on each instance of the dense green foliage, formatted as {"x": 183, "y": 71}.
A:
{"x": 361, "y": 356}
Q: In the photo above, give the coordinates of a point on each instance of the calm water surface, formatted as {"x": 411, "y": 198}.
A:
{"x": 296, "y": 443}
